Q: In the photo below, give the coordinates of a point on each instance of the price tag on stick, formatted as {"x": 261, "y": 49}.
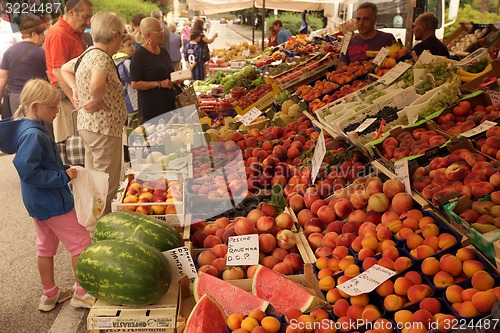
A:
{"x": 243, "y": 250}
{"x": 479, "y": 129}
{"x": 403, "y": 174}
{"x": 494, "y": 96}
{"x": 250, "y": 116}
{"x": 318, "y": 156}
{"x": 394, "y": 73}
{"x": 366, "y": 281}
{"x": 345, "y": 42}
{"x": 181, "y": 258}
{"x": 381, "y": 56}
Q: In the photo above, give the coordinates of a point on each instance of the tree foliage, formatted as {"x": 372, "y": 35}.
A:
{"x": 469, "y": 14}
{"x": 293, "y": 20}
{"x": 125, "y": 8}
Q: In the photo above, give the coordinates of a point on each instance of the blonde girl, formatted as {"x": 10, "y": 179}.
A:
{"x": 44, "y": 187}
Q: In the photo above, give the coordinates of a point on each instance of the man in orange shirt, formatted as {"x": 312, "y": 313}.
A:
{"x": 64, "y": 42}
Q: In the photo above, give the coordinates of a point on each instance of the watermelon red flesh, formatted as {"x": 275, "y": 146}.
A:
{"x": 207, "y": 316}
{"x": 137, "y": 227}
{"x": 124, "y": 272}
{"x": 282, "y": 292}
{"x": 231, "y": 298}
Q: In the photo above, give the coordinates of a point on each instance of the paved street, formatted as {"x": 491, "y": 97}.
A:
{"x": 19, "y": 279}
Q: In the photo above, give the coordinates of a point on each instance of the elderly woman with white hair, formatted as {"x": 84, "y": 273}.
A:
{"x": 98, "y": 91}
{"x": 150, "y": 70}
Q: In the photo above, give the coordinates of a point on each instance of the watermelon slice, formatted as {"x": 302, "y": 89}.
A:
{"x": 282, "y": 292}
{"x": 206, "y": 316}
{"x": 231, "y": 298}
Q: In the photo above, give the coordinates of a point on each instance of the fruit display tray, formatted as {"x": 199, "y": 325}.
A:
{"x": 263, "y": 101}
{"x": 484, "y": 242}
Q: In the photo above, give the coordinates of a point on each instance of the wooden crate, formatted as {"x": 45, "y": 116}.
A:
{"x": 158, "y": 317}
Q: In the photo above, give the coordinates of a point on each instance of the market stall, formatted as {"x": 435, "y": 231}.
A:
{"x": 315, "y": 199}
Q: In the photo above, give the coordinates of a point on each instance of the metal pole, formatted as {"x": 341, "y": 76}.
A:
{"x": 252, "y": 22}
{"x": 263, "y": 22}
{"x": 409, "y": 24}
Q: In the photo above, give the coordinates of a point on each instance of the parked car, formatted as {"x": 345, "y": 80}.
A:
{"x": 223, "y": 21}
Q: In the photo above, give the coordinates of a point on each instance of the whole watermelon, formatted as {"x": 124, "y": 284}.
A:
{"x": 127, "y": 225}
{"x": 124, "y": 272}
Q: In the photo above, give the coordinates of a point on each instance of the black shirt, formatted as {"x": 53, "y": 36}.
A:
{"x": 146, "y": 66}
{"x": 433, "y": 45}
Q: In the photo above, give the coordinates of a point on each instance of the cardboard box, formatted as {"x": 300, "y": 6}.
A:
{"x": 484, "y": 242}
{"x": 158, "y": 317}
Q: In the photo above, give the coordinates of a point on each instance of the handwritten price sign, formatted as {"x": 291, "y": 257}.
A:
{"x": 366, "y": 281}
{"x": 243, "y": 250}
{"x": 181, "y": 258}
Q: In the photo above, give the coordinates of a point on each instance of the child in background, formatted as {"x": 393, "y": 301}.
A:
{"x": 122, "y": 61}
{"x": 45, "y": 191}
{"x": 192, "y": 55}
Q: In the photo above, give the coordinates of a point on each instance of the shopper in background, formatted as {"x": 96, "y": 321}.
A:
{"x": 186, "y": 34}
{"x": 23, "y": 61}
{"x": 175, "y": 47}
{"x": 192, "y": 55}
{"x": 122, "y": 61}
{"x": 45, "y": 191}
{"x": 273, "y": 38}
{"x": 424, "y": 29}
{"x": 157, "y": 14}
{"x": 135, "y": 24}
{"x": 64, "y": 42}
{"x": 98, "y": 93}
{"x": 282, "y": 33}
{"x": 204, "y": 40}
{"x": 150, "y": 71}
{"x": 368, "y": 38}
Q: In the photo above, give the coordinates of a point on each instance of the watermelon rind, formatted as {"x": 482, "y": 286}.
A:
{"x": 231, "y": 298}
{"x": 282, "y": 293}
{"x": 124, "y": 272}
{"x": 132, "y": 226}
{"x": 202, "y": 321}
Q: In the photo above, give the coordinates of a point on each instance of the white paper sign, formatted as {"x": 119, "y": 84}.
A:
{"x": 364, "y": 125}
{"x": 425, "y": 58}
{"x": 473, "y": 57}
{"x": 181, "y": 258}
{"x": 345, "y": 42}
{"x": 479, "y": 129}
{"x": 318, "y": 156}
{"x": 250, "y": 116}
{"x": 381, "y": 56}
{"x": 494, "y": 96}
{"x": 366, "y": 281}
{"x": 395, "y": 72}
{"x": 403, "y": 174}
{"x": 245, "y": 53}
{"x": 243, "y": 250}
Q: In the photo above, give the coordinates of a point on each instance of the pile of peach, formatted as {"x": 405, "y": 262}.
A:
{"x": 463, "y": 171}
{"x": 307, "y": 93}
{"x": 411, "y": 143}
{"x": 474, "y": 298}
{"x": 257, "y": 321}
{"x": 316, "y": 321}
{"x": 325, "y": 86}
{"x": 404, "y": 290}
{"x": 452, "y": 268}
{"x": 463, "y": 117}
{"x": 429, "y": 310}
{"x": 347, "y": 73}
{"x": 490, "y": 145}
{"x": 357, "y": 309}
{"x": 277, "y": 243}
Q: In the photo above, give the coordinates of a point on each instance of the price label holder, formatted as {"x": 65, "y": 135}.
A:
{"x": 318, "y": 156}
{"x": 345, "y": 42}
{"x": 366, "y": 281}
{"x": 364, "y": 125}
{"x": 494, "y": 96}
{"x": 479, "y": 129}
{"x": 250, "y": 116}
{"x": 381, "y": 55}
{"x": 394, "y": 73}
{"x": 473, "y": 57}
{"x": 245, "y": 53}
{"x": 243, "y": 250}
{"x": 425, "y": 58}
{"x": 403, "y": 173}
{"x": 182, "y": 260}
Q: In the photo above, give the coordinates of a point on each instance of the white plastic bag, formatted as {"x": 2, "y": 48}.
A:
{"x": 90, "y": 189}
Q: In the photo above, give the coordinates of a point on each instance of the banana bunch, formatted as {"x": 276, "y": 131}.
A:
{"x": 467, "y": 76}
